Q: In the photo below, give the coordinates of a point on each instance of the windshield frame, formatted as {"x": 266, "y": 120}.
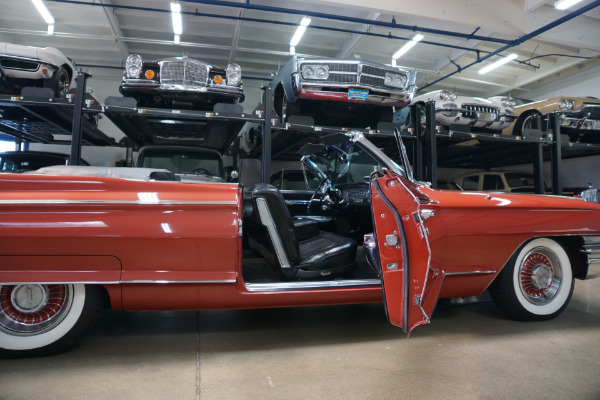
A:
{"x": 371, "y": 149}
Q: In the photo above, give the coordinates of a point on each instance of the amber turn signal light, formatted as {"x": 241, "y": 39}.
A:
{"x": 149, "y": 74}
{"x": 218, "y": 79}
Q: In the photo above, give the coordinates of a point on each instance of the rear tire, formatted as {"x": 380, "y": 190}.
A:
{"x": 536, "y": 284}
{"x": 44, "y": 319}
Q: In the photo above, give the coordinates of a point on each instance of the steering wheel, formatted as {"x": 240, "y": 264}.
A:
{"x": 322, "y": 191}
{"x": 201, "y": 171}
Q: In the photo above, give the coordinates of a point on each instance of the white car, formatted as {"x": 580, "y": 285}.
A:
{"x": 495, "y": 113}
{"x": 22, "y": 66}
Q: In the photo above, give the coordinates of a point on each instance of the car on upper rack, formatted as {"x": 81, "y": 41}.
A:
{"x": 499, "y": 181}
{"x": 180, "y": 82}
{"x": 23, "y": 161}
{"x": 187, "y": 162}
{"x": 22, "y": 66}
{"x": 579, "y": 117}
{"x": 341, "y": 92}
{"x": 76, "y": 238}
{"x": 464, "y": 112}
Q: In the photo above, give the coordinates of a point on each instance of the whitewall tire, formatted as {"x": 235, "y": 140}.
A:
{"x": 42, "y": 319}
{"x": 537, "y": 283}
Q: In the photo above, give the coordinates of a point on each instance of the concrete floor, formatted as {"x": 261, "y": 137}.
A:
{"x": 469, "y": 351}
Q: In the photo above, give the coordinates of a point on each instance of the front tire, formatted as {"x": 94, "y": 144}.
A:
{"x": 536, "y": 284}
{"x": 44, "y": 319}
{"x": 59, "y": 82}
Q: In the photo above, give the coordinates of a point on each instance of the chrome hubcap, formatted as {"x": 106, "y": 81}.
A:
{"x": 540, "y": 276}
{"x": 32, "y": 309}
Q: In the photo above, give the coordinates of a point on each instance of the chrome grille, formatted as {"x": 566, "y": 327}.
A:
{"x": 354, "y": 73}
{"x": 183, "y": 73}
{"x": 373, "y": 76}
{"x": 471, "y": 110}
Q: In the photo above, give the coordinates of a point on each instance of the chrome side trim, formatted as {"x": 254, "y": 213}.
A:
{"x": 470, "y": 273}
{"x": 121, "y": 282}
{"x": 267, "y": 220}
{"x": 126, "y": 202}
{"x": 291, "y": 286}
{"x": 180, "y": 282}
{"x": 63, "y": 283}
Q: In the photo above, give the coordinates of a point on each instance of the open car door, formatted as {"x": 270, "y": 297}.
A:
{"x": 411, "y": 285}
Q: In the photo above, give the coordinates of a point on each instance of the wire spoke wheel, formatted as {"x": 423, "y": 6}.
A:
{"x": 540, "y": 276}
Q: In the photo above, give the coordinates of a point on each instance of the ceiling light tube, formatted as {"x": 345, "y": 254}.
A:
{"x": 409, "y": 45}
{"x": 564, "y": 4}
{"x": 176, "y": 16}
{"x": 50, "y": 29}
{"x": 41, "y": 7}
{"x": 498, "y": 63}
{"x": 299, "y": 32}
{"x": 176, "y": 39}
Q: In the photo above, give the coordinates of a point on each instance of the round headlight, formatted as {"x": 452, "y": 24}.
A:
{"x": 447, "y": 95}
{"x": 234, "y": 74}
{"x": 399, "y": 81}
{"x": 563, "y": 104}
{"x": 388, "y": 80}
{"x": 570, "y": 104}
{"x": 321, "y": 73}
{"x": 308, "y": 72}
{"x": 133, "y": 65}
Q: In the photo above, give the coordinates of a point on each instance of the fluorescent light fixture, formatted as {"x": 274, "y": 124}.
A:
{"x": 498, "y": 63}
{"x": 41, "y": 7}
{"x": 176, "y": 16}
{"x": 418, "y": 37}
{"x": 299, "y": 32}
{"x": 177, "y": 39}
{"x": 564, "y": 4}
{"x": 50, "y": 29}
{"x": 292, "y": 50}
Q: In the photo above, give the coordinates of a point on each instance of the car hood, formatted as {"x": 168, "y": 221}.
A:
{"x": 466, "y": 199}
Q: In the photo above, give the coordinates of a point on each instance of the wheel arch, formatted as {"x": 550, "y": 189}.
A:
{"x": 573, "y": 245}
{"x": 518, "y": 124}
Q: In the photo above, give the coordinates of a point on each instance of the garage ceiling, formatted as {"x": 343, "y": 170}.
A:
{"x": 99, "y": 34}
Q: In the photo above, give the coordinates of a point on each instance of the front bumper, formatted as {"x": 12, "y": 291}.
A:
{"x": 136, "y": 87}
{"x": 25, "y": 68}
{"x": 341, "y": 93}
{"x": 473, "y": 118}
{"x": 586, "y": 118}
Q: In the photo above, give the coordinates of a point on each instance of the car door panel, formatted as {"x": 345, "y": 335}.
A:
{"x": 411, "y": 285}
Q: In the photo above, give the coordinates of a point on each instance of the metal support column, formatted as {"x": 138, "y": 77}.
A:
{"x": 554, "y": 120}
{"x": 431, "y": 141}
{"x": 538, "y": 168}
{"x": 76, "y": 133}
{"x": 266, "y": 132}
{"x": 418, "y": 147}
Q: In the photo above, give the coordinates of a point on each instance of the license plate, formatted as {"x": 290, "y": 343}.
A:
{"x": 358, "y": 94}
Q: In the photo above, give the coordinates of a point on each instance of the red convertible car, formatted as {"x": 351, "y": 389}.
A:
{"x": 74, "y": 239}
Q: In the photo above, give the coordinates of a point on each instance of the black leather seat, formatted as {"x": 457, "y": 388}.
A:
{"x": 300, "y": 250}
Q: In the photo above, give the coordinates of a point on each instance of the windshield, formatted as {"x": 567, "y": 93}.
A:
{"x": 182, "y": 161}
{"x": 351, "y": 161}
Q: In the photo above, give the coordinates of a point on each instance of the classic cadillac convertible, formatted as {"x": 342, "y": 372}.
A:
{"x": 76, "y": 238}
